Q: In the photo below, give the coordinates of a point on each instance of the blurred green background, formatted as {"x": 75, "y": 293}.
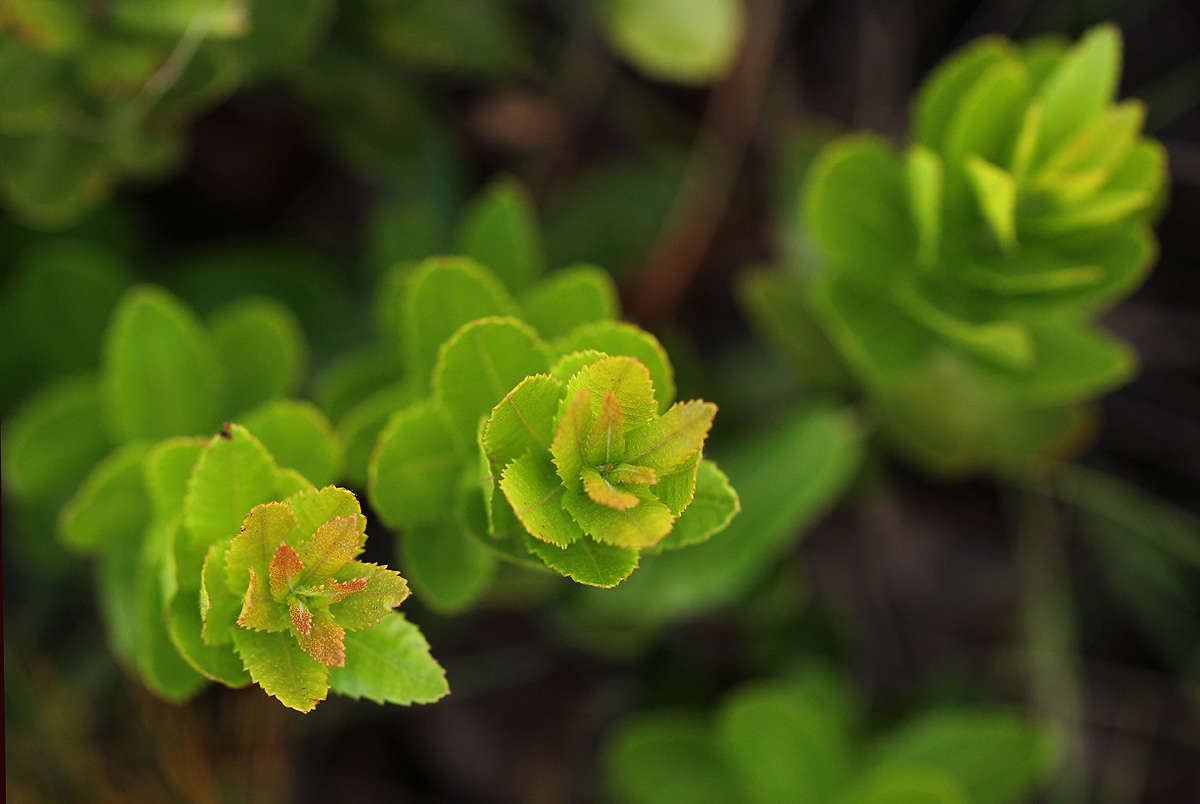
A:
{"x": 298, "y": 149}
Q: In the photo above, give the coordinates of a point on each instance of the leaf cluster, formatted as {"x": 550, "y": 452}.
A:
{"x": 958, "y": 281}
{"x": 798, "y": 740}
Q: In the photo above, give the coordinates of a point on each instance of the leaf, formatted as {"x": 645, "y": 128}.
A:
{"x": 600, "y": 489}
{"x": 1130, "y": 191}
{"x": 390, "y": 663}
{"x": 215, "y": 662}
{"x": 536, "y": 495}
{"x": 606, "y": 438}
{"x": 943, "y": 90}
{"x": 161, "y": 373}
{"x": 445, "y": 293}
{"x": 905, "y": 786}
{"x": 480, "y": 364}
{"x": 314, "y": 507}
{"x": 324, "y": 640}
{"x": 53, "y": 439}
{"x": 672, "y": 439}
{"x": 263, "y": 349}
{"x": 713, "y": 507}
{"x": 568, "y": 365}
{"x": 253, "y": 548}
{"x": 523, "y": 420}
{"x": 284, "y": 570}
{"x": 617, "y": 338}
{"x": 51, "y": 179}
{"x": 586, "y": 561}
{"x": 668, "y": 758}
{"x": 471, "y": 38}
{"x": 924, "y": 179}
{"x": 1003, "y": 343}
{"x": 637, "y": 475}
{"x": 577, "y": 295}
{"x": 996, "y": 194}
{"x": 298, "y": 436}
{"x": 219, "y": 607}
{"x": 785, "y": 743}
{"x": 856, "y": 208}
{"x": 624, "y": 376}
{"x": 986, "y": 124}
{"x": 168, "y": 468}
{"x": 383, "y": 591}
{"x": 685, "y": 42}
{"x": 1079, "y": 88}
{"x": 335, "y": 542}
{"x": 448, "y": 568}
{"x": 359, "y": 429}
{"x": 1019, "y": 754}
{"x": 112, "y": 506}
{"x": 282, "y": 669}
{"x": 354, "y": 376}
{"x": 643, "y": 525}
{"x": 819, "y": 450}
{"x": 570, "y": 438}
{"x": 412, "y": 474}
{"x": 677, "y": 489}
{"x": 499, "y": 230}
{"x": 233, "y": 475}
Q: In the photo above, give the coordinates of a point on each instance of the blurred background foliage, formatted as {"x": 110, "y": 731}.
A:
{"x": 296, "y": 153}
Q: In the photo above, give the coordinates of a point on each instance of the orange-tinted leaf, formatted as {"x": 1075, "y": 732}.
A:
{"x": 283, "y": 570}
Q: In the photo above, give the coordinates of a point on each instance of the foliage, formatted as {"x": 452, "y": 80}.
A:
{"x": 957, "y": 283}
{"x": 798, "y": 739}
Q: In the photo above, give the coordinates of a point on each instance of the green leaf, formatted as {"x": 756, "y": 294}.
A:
{"x": 616, "y": 338}
{"x": 856, "y": 207}
{"x": 626, "y": 377}
{"x": 523, "y": 420}
{"x": 233, "y": 475}
{"x": 282, "y": 669}
{"x": 924, "y": 179}
{"x": 253, "y": 548}
{"x": 672, "y": 40}
{"x": 298, "y": 436}
{"x": 670, "y": 441}
{"x": 385, "y": 590}
{"x": 677, "y": 489}
{"x": 159, "y": 663}
{"x": 480, "y": 364}
{"x": 444, "y": 294}
{"x": 219, "y": 607}
{"x": 161, "y": 373}
{"x": 411, "y": 479}
{"x": 390, "y": 663}
{"x": 169, "y": 466}
{"x": 219, "y": 18}
{"x": 570, "y": 438}
{"x": 586, "y": 561}
{"x": 986, "y": 124}
{"x": 905, "y": 786}
{"x": 447, "y": 566}
{"x": 112, "y": 506}
{"x": 784, "y": 743}
{"x": 941, "y": 93}
{"x": 1081, "y": 85}
{"x": 1131, "y": 190}
{"x": 359, "y": 429}
{"x": 53, "y": 439}
{"x": 499, "y": 230}
{"x": 580, "y": 294}
{"x": 713, "y": 507}
{"x": 215, "y": 662}
{"x": 668, "y": 758}
{"x": 1003, "y": 343}
{"x": 352, "y": 377}
{"x": 536, "y": 495}
{"x": 52, "y": 179}
{"x": 1018, "y": 754}
{"x": 570, "y": 364}
{"x": 996, "y": 194}
{"x": 602, "y": 490}
{"x": 335, "y": 543}
{"x": 263, "y": 349}
{"x": 1096, "y": 148}
{"x": 643, "y": 525}
{"x": 606, "y": 437}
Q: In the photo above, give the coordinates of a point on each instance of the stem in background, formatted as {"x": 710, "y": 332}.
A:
{"x": 1050, "y": 633}
{"x": 708, "y": 181}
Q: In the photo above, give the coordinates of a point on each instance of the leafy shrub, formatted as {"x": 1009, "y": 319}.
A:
{"x": 957, "y": 283}
{"x": 797, "y": 740}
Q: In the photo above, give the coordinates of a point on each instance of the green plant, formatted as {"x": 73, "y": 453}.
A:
{"x": 798, "y": 740}
{"x": 957, "y": 284}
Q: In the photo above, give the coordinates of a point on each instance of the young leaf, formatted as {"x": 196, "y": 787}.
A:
{"x": 284, "y": 571}
{"x": 499, "y": 230}
{"x": 924, "y": 178}
{"x": 445, "y": 293}
{"x": 586, "y": 561}
{"x": 996, "y": 193}
{"x": 253, "y": 548}
{"x": 325, "y": 552}
{"x": 382, "y": 591}
{"x": 574, "y": 296}
{"x": 314, "y": 507}
{"x": 642, "y": 525}
{"x": 480, "y": 364}
{"x": 616, "y": 338}
{"x": 323, "y": 639}
{"x": 569, "y": 364}
{"x": 570, "y": 437}
{"x": 606, "y": 438}
{"x": 711, "y": 509}
{"x": 600, "y": 489}
{"x": 389, "y": 663}
{"x": 278, "y": 665}
{"x": 677, "y": 489}
{"x": 161, "y": 373}
{"x": 523, "y": 420}
{"x": 416, "y": 464}
{"x": 535, "y": 493}
{"x": 943, "y": 90}
{"x": 1082, "y": 84}
{"x": 263, "y": 349}
{"x": 298, "y": 436}
{"x": 671, "y": 440}
{"x": 627, "y": 378}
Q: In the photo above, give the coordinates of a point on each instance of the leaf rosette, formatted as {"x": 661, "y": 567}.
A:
{"x": 960, "y": 279}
